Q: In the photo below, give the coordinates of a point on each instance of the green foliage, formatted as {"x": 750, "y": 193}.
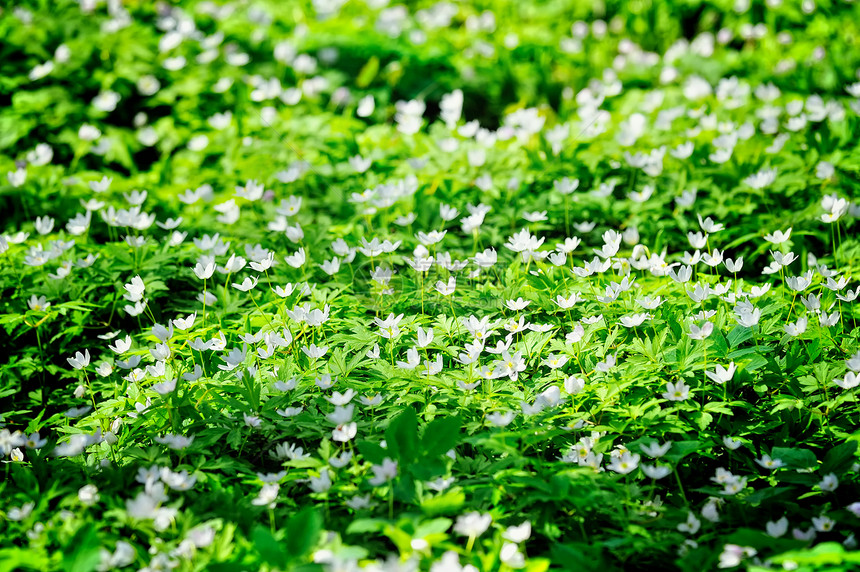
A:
{"x": 323, "y": 285}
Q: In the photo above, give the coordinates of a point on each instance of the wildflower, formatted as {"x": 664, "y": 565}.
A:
{"x": 473, "y": 524}
{"x": 177, "y": 442}
{"x": 511, "y": 556}
{"x": 10, "y": 441}
{"x": 501, "y": 419}
{"x": 88, "y": 495}
{"x": 734, "y": 265}
{"x": 654, "y": 450}
{"x": 722, "y": 374}
{"x": 676, "y": 391}
{"x": 828, "y": 320}
{"x": 18, "y": 513}
{"x": 734, "y": 485}
{"x": 134, "y": 290}
{"x": 697, "y": 333}
{"x": 205, "y": 271}
{"x": 345, "y": 432}
{"x": 314, "y": 352}
{"x": 796, "y": 329}
{"x": 778, "y": 237}
{"x": 829, "y": 483}
{"x": 297, "y": 259}
{"x": 849, "y": 381}
{"x": 322, "y": 483}
{"x": 446, "y": 288}
{"x": 81, "y": 360}
{"x": 607, "y": 364}
{"x": 248, "y": 284}
{"x": 691, "y": 525}
{"x": 267, "y": 495}
{"x": 778, "y": 528}
{"x": 634, "y": 320}
{"x": 655, "y": 472}
{"x": 555, "y": 361}
{"x": 625, "y": 463}
{"x": 389, "y": 327}
{"x": 769, "y": 463}
{"x": 823, "y": 523}
{"x": 383, "y": 473}
{"x": 733, "y": 554}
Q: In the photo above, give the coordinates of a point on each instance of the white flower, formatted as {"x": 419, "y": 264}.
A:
{"x": 88, "y": 133}
{"x": 654, "y": 450}
{"x": 341, "y": 399}
{"x": 691, "y": 525}
{"x": 655, "y": 471}
{"x": 297, "y": 259}
{"x": 345, "y": 432}
{"x": 501, "y": 419}
{"x": 722, "y": 374}
{"x": 18, "y": 513}
{"x": 778, "y": 237}
{"x": 676, "y": 391}
{"x": 248, "y": 284}
{"x": 829, "y": 483}
{"x": 731, "y": 444}
{"x": 205, "y": 271}
{"x": 134, "y": 289}
{"x": 518, "y": 534}
{"x": 573, "y": 385}
{"x": 425, "y": 338}
{"x": 823, "y": 523}
{"x": 267, "y": 496}
{"x": 849, "y": 381}
{"x": 778, "y": 528}
{"x": 702, "y": 333}
{"x": 176, "y": 442}
{"x": 383, "y": 473}
{"x": 81, "y": 360}
{"x": 734, "y": 554}
{"x": 768, "y": 463}
{"x": 88, "y": 494}
{"x": 322, "y": 483}
{"x": 446, "y": 288}
{"x": 473, "y": 524}
{"x": 624, "y": 463}
{"x": 511, "y": 556}
{"x": 314, "y": 352}
{"x": 797, "y": 328}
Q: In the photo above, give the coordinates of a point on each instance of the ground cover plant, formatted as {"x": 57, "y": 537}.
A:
{"x": 350, "y": 284}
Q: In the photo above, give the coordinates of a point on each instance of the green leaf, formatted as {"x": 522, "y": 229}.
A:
{"x": 373, "y": 452}
{"x": 738, "y": 335}
{"x": 15, "y": 559}
{"x": 824, "y": 554}
{"x": 755, "y": 362}
{"x": 440, "y": 435}
{"x": 450, "y": 502}
{"x": 303, "y": 532}
{"x": 435, "y": 526}
{"x": 681, "y": 449}
{"x": 366, "y": 525}
{"x": 85, "y": 547}
{"x": 795, "y": 458}
{"x": 703, "y": 419}
{"x": 367, "y": 73}
{"x": 402, "y": 436}
{"x": 268, "y": 547}
{"x": 839, "y": 458}
{"x": 719, "y": 346}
